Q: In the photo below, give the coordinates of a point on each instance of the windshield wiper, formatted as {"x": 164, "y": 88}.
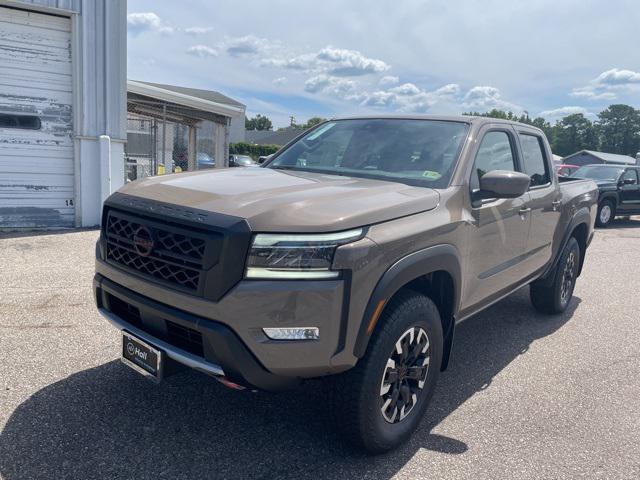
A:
{"x": 285, "y": 167}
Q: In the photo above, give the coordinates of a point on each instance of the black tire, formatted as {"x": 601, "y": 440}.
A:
{"x": 554, "y": 297}
{"x": 356, "y": 395}
{"x": 603, "y": 219}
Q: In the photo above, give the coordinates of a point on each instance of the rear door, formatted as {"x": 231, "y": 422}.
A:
{"x": 498, "y": 227}
{"x": 544, "y": 197}
{"x": 629, "y": 192}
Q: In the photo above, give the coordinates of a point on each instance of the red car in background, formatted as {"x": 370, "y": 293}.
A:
{"x": 565, "y": 170}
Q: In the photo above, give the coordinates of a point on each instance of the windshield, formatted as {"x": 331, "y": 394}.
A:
{"x": 598, "y": 173}
{"x": 416, "y": 152}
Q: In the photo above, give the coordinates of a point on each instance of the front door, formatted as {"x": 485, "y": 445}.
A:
{"x": 498, "y": 228}
{"x": 629, "y": 192}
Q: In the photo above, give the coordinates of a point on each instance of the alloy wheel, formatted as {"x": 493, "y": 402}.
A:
{"x": 405, "y": 374}
{"x": 568, "y": 277}
{"x": 605, "y": 214}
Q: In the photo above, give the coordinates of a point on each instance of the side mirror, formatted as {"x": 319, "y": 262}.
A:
{"x": 628, "y": 181}
{"x": 504, "y": 184}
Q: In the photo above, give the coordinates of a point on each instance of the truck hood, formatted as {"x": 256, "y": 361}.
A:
{"x": 287, "y": 201}
{"x": 606, "y": 184}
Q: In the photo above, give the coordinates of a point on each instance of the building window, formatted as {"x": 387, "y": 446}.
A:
{"x": 25, "y": 122}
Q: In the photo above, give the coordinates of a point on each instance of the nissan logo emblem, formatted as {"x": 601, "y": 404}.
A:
{"x": 143, "y": 241}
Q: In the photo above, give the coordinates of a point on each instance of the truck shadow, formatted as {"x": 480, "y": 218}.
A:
{"x": 108, "y": 422}
{"x": 632, "y": 222}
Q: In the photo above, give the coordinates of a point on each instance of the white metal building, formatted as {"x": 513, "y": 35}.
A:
{"x": 587, "y": 157}
{"x": 62, "y": 110}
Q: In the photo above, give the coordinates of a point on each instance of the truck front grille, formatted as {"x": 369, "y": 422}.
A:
{"x": 167, "y": 253}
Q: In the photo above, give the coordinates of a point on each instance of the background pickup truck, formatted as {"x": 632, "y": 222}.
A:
{"x": 618, "y": 190}
{"x": 351, "y": 254}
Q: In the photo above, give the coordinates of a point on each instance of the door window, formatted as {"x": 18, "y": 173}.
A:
{"x": 630, "y": 175}
{"x": 495, "y": 153}
{"x": 533, "y": 156}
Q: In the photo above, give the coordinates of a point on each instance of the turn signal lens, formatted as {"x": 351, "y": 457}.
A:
{"x": 294, "y": 333}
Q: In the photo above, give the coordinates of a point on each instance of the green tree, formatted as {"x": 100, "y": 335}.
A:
{"x": 619, "y": 127}
{"x": 572, "y": 133}
{"x": 259, "y": 122}
{"x": 545, "y": 126}
{"x": 313, "y": 121}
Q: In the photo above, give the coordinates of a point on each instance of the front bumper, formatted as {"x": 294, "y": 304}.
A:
{"x": 222, "y": 352}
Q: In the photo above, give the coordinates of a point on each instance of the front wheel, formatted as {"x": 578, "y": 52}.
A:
{"x": 606, "y": 213}
{"x": 554, "y": 297}
{"x": 379, "y": 403}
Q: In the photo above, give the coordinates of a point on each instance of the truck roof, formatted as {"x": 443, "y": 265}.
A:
{"x": 475, "y": 119}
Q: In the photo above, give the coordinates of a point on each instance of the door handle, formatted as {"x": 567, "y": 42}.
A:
{"x": 523, "y": 212}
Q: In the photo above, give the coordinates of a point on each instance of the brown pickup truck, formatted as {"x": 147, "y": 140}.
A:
{"x": 351, "y": 254}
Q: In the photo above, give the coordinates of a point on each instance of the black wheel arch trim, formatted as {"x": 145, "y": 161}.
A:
{"x": 581, "y": 217}
{"x": 612, "y": 195}
{"x": 444, "y": 257}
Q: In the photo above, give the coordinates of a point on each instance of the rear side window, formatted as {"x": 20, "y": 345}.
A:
{"x": 25, "y": 122}
{"x": 495, "y": 153}
{"x": 534, "y": 159}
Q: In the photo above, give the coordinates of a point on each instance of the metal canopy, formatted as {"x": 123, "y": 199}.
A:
{"x": 159, "y": 109}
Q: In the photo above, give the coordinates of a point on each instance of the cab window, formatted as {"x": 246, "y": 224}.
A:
{"x": 495, "y": 153}
{"x": 533, "y": 157}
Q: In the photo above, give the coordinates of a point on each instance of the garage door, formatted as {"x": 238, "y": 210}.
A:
{"x": 36, "y": 144}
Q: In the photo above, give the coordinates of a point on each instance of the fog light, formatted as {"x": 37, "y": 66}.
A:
{"x": 294, "y": 333}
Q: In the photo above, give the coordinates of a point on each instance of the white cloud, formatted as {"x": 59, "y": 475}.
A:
{"x": 557, "y": 113}
{"x": 408, "y": 97}
{"x": 139, "y": 22}
{"x": 197, "y": 30}
{"x": 166, "y": 30}
{"x": 349, "y": 62}
{"x": 338, "y": 62}
{"x": 143, "y": 21}
{"x": 202, "y": 51}
{"x": 341, "y": 88}
{"x": 380, "y": 98}
{"x": 609, "y": 85}
{"x": 616, "y": 76}
{"x": 484, "y": 98}
{"x": 405, "y": 89}
{"x": 280, "y": 81}
{"x": 449, "y": 90}
{"x": 389, "y": 80}
{"x": 245, "y": 46}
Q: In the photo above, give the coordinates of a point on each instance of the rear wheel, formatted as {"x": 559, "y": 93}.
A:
{"x": 554, "y": 297}
{"x": 380, "y": 402}
{"x": 606, "y": 213}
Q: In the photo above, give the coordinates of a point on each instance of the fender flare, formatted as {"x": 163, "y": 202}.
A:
{"x": 439, "y": 257}
{"x": 610, "y": 195}
{"x": 581, "y": 216}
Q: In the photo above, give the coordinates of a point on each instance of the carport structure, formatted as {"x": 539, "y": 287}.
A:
{"x": 171, "y": 128}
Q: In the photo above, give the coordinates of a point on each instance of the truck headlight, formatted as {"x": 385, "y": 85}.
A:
{"x": 296, "y": 256}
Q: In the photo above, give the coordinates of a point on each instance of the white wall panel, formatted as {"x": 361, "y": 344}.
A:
{"x": 36, "y": 166}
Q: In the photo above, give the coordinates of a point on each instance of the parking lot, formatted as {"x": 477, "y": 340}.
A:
{"x": 527, "y": 396}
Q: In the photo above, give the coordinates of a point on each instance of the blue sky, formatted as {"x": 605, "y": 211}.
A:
{"x": 330, "y": 58}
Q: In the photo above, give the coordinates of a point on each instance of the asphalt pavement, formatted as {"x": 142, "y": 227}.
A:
{"x": 526, "y": 395}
